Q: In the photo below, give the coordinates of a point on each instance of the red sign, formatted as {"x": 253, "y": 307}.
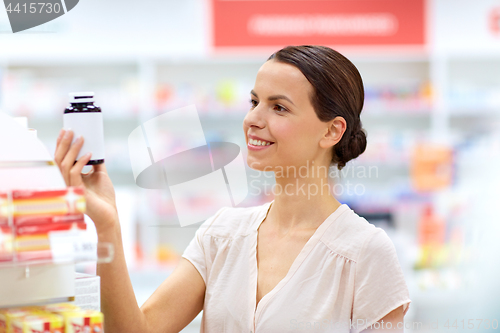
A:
{"x": 495, "y": 21}
{"x": 242, "y": 23}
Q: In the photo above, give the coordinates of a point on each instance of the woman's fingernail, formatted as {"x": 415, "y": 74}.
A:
{"x": 88, "y": 155}
{"x": 60, "y": 134}
{"x": 67, "y": 134}
{"x": 79, "y": 140}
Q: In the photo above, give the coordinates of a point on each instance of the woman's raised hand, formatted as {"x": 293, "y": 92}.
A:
{"x": 99, "y": 191}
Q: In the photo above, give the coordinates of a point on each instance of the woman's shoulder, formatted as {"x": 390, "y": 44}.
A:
{"x": 231, "y": 222}
{"x": 350, "y": 234}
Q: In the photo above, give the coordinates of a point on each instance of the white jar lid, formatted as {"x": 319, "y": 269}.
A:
{"x": 81, "y": 97}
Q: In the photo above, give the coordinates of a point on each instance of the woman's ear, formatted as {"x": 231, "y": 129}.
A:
{"x": 334, "y": 132}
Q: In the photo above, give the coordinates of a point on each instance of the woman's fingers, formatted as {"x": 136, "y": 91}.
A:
{"x": 61, "y": 133}
{"x": 69, "y": 158}
{"x": 75, "y": 174}
{"x": 62, "y": 148}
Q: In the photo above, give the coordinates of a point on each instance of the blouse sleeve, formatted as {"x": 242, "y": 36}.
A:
{"x": 195, "y": 251}
{"x": 379, "y": 286}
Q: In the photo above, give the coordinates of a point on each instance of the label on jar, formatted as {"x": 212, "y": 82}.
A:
{"x": 90, "y": 126}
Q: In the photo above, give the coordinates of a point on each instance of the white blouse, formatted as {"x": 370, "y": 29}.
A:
{"x": 346, "y": 278}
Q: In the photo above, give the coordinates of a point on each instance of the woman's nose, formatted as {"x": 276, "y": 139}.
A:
{"x": 255, "y": 117}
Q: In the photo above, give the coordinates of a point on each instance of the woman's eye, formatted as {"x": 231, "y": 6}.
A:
{"x": 279, "y": 108}
{"x": 253, "y": 103}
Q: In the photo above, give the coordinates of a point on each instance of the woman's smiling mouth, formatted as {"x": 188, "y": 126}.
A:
{"x": 258, "y": 144}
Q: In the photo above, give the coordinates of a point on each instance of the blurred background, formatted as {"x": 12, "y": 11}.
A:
{"x": 429, "y": 175}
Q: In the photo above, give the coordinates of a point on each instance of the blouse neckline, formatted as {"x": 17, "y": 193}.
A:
{"x": 267, "y": 207}
{"x": 259, "y": 308}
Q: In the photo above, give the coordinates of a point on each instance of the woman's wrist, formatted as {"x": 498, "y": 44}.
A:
{"x": 108, "y": 230}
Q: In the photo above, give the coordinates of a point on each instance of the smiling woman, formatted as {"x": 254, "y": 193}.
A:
{"x": 302, "y": 261}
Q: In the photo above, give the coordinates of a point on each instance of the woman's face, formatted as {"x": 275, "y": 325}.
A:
{"x": 281, "y": 113}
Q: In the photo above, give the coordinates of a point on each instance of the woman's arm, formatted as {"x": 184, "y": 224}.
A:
{"x": 177, "y": 301}
{"x": 118, "y": 302}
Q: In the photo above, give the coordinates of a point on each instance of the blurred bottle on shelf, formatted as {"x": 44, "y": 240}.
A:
{"x": 431, "y": 167}
{"x": 431, "y": 238}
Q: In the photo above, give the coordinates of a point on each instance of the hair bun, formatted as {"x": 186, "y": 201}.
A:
{"x": 355, "y": 146}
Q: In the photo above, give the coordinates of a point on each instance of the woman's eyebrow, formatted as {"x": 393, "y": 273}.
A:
{"x": 274, "y": 97}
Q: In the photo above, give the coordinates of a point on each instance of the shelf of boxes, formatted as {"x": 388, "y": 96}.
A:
{"x": 39, "y": 249}
{"x": 42, "y": 228}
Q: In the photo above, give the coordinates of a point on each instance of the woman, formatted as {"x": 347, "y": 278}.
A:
{"x": 303, "y": 262}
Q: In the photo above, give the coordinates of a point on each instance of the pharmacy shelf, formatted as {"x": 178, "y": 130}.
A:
{"x": 38, "y": 282}
{"x": 475, "y": 111}
{"x": 64, "y": 252}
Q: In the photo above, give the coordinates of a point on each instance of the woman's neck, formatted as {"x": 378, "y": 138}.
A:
{"x": 301, "y": 202}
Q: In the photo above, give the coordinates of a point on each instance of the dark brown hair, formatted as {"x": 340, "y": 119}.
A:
{"x": 338, "y": 91}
